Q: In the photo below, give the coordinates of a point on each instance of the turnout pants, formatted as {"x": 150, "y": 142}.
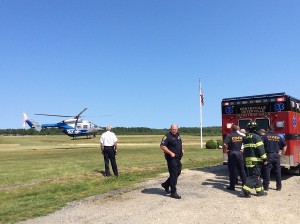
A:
{"x": 174, "y": 167}
{"x": 109, "y": 154}
{"x": 253, "y": 180}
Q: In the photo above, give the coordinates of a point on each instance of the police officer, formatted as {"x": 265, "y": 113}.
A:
{"x": 255, "y": 157}
{"x": 233, "y": 146}
{"x": 171, "y": 144}
{"x": 273, "y": 145}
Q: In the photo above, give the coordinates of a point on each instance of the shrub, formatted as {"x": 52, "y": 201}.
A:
{"x": 211, "y": 144}
{"x": 219, "y": 143}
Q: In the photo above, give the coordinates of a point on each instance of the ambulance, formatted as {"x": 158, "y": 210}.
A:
{"x": 277, "y": 109}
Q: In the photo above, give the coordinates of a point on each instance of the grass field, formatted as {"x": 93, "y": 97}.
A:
{"x": 40, "y": 174}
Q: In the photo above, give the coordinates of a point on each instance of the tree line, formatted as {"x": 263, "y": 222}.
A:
{"x": 206, "y": 131}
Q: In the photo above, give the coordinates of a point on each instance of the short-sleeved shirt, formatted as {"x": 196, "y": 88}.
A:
{"x": 172, "y": 142}
{"x": 234, "y": 141}
{"x": 273, "y": 142}
{"x": 108, "y": 138}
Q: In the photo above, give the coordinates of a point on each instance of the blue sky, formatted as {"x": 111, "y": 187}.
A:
{"x": 137, "y": 63}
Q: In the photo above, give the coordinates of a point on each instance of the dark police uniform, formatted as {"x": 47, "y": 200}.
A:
{"x": 255, "y": 156}
{"x": 273, "y": 144}
{"x": 174, "y": 144}
{"x": 235, "y": 158}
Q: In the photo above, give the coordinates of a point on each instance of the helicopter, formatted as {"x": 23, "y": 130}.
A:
{"x": 72, "y": 127}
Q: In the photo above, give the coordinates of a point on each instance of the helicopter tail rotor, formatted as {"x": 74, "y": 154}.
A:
{"x": 25, "y": 119}
{"x": 31, "y": 123}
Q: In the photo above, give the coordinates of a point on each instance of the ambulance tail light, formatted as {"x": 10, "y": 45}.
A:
{"x": 228, "y": 125}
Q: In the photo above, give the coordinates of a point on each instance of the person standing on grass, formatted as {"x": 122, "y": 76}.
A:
{"x": 233, "y": 147}
{"x": 171, "y": 144}
{"x": 108, "y": 144}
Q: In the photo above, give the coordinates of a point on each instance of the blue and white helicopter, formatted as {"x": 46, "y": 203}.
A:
{"x": 72, "y": 127}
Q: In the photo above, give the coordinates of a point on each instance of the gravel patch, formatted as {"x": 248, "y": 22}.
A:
{"x": 205, "y": 199}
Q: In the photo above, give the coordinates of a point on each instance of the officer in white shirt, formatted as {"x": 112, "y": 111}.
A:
{"x": 108, "y": 144}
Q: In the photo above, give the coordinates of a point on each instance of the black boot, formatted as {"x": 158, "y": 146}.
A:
{"x": 266, "y": 188}
{"x": 244, "y": 194}
{"x": 262, "y": 193}
{"x": 175, "y": 195}
{"x": 230, "y": 188}
{"x": 167, "y": 190}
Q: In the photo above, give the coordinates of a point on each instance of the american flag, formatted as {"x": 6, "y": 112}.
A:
{"x": 201, "y": 97}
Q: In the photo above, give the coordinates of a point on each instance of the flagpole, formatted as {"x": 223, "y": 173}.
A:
{"x": 200, "y": 101}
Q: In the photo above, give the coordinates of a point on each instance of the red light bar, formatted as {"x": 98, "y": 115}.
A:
{"x": 226, "y": 103}
{"x": 280, "y": 99}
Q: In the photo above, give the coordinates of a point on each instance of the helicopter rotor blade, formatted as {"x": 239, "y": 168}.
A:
{"x": 58, "y": 115}
{"x": 78, "y": 115}
{"x": 53, "y": 115}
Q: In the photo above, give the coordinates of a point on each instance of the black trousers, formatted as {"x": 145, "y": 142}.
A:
{"x": 253, "y": 180}
{"x": 174, "y": 167}
{"x": 236, "y": 166}
{"x": 273, "y": 162}
{"x": 109, "y": 154}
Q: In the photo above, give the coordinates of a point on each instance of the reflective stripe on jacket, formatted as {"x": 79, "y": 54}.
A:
{"x": 254, "y": 151}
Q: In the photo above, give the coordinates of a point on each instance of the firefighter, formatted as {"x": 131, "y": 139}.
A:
{"x": 275, "y": 147}
{"x": 233, "y": 147}
{"x": 255, "y": 157}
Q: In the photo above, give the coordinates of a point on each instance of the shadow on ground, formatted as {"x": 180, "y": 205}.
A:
{"x": 100, "y": 172}
{"x": 156, "y": 191}
{"x": 221, "y": 180}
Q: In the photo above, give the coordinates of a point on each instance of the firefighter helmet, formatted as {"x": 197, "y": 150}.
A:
{"x": 252, "y": 124}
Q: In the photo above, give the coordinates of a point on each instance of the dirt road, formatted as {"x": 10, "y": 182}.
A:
{"x": 204, "y": 200}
